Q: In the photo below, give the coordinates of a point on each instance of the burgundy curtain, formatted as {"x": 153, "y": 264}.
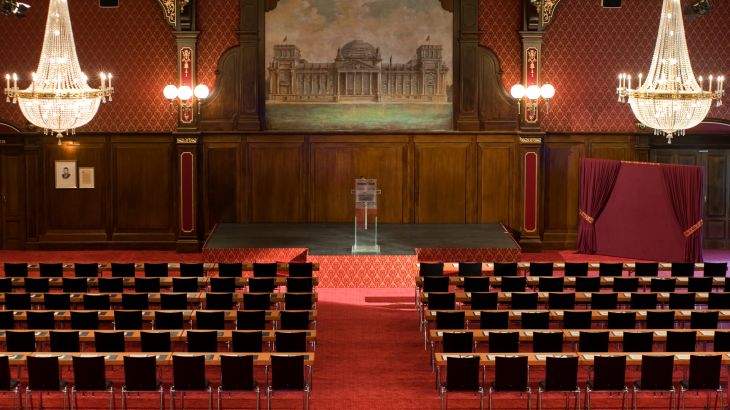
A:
{"x": 685, "y": 188}
{"x": 597, "y": 178}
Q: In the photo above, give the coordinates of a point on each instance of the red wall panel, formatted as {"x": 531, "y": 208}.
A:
{"x": 217, "y": 23}
{"x": 500, "y": 22}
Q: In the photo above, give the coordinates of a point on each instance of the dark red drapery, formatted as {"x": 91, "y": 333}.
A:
{"x": 597, "y": 178}
{"x": 685, "y": 187}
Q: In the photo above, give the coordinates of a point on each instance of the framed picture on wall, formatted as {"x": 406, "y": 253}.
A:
{"x": 86, "y": 177}
{"x": 65, "y": 174}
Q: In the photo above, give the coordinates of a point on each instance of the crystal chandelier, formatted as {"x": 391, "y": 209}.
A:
{"x": 670, "y": 100}
{"x": 59, "y": 99}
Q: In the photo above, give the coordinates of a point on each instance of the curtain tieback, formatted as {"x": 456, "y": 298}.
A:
{"x": 692, "y": 229}
{"x": 585, "y": 216}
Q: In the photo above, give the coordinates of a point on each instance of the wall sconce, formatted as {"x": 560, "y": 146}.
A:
{"x": 533, "y": 94}
{"x": 185, "y": 94}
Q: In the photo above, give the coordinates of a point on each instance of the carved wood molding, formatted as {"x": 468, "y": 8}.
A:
{"x": 169, "y": 9}
{"x": 447, "y": 5}
{"x": 546, "y": 9}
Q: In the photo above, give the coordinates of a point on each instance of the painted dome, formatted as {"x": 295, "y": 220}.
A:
{"x": 358, "y": 49}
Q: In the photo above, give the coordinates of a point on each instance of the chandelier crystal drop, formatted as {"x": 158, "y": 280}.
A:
{"x": 670, "y": 100}
{"x": 59, "y": 99}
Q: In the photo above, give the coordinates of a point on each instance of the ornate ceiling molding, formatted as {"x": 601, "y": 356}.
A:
{"x": 447, "y": 5}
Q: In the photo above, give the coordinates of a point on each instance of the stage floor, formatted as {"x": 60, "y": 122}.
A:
{"x": 337, "y": 239}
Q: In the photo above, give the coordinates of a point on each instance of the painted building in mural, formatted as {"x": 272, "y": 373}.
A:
{"x": 357, "y": 74}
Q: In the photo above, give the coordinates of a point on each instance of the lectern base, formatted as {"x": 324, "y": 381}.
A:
{"x": 374, "y": 249}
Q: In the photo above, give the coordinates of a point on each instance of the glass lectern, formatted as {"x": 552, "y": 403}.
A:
{"x": 366, "y": 216}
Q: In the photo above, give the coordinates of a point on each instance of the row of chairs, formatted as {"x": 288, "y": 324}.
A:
{"x": 511, "y": 374}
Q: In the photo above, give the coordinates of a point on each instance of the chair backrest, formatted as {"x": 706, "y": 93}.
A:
{"x": 259, "y": 285}
{"x": 638, "y": 341}
{"x": 523, "y": 300}
{"x": 718, "y": 300}
{"x": 135, "y": 301}
{"x": 17, "y": 301}
{"x": 429, "y": 269}
{"x": 89, "y": 373}
{"x": 210, "y": 319}
{"x": 587, "y": 284}
{"x": 663, "y": 284}
{"x": 715, "y": 269}
{"x": 7, "y": 319}
{"x": 109, "y": 285}
{"x": 294, "y": 320}
{"x": 435, "y": 284}
{"x": 298, "y": 301}
{"x": 656, "y": 372}
{"x": 40, "y": 319}
{"x": 247, "y": 341}
{"x": 704, "y": 319}
{"x": 576, "y": 269}
{"x": 609, "y": 372}
{"x": 86, "y": 270}
{"x": 513, "y": 284}
{"x": 511, "y": 373}
{"x": 50, "y": 270}
{"x": 470, "y": 269}
{"x": 683, "y": 269}
{"x": 594, "y": 342}
{"x": 287, "y": 372}
{"x": 484, "y": 300}
{"x": 493, "y": 319}
{"x": 147, "y": 284}
{"x": 128, "y": 319}
{"x": 550, "y": 284}
{"x": 192, "y": 270}
{"x": 646, "y": 269}
{"x": 290, "y": 342}
{"x": 681, "y": 300}
{"x": 15, "y": 270}
{"x": 699, "y": 284}
{"x": 681, "y": 341}
{"x": 219, "y": 301}
{"x": 561, "y": 300}
{"x": 623, "y": 284}
{"x": 450, "y": 320}
{"x": 237, "y": 373}
{"x": 6, "y": 285}
{"x": 621, "y": 320}
{"x": 541, "y": 269}
{"x": 577, "y": 319}
{"x": 535, "y": 320}
{"x": 168, "y": 320}
{"x": 155, "y": 341}
{"x": 43, "y": 373}
{"x": 223, "y": 284}
{"x": 458, "y": 342}
{"x": 476, "y": 284}
{"x": 265, "y": 270}
{"x": 204, "y": 341}
{"x": 230, "y": 270}
{"x": 188, "y": 372}
{"x": 704, "y": 372}
{"x": 256, "y": 301}
{"x": 300, "y": 285}
{"x": 94, "y": 301}
{"x": 109, "y": 341}
{"x": 505, "y": 268}
{"x": 504, "y": 342}
{"x": 123, "y": 270}
{"x": 57, "y": 301}
{"x": 37, "y": 285}
{"x": 140, "y": 373}
{"x": 442, "y": 301}
{"x": 300, "y": 269}
{"x": 4, "y": 373}
{"x": 20, "y": 341}
{"x": 721, "y": 341}
{"x": 643, "y": 300}
{"x": 610, "y": 269}
{"x": 462, "y": 373}
{"x": 173, "y": 301}
{"x": 251, "y": 319}
{"x": 561, "y": 373}
{"x": 604, "y": 300}
{"x": 547, "y": 342}
{"x": 157, "y": 270}
{"x": 78, "y": 285}
{"x": 65, "y": 341}
{"x": 185, "y": 284}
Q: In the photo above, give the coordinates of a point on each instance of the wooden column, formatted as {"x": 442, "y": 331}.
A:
{"x": 531, "y": 188}
{"x": 530, "y": 117}
{"x": 186, "y": 154}
{"x": 187, "y": 119}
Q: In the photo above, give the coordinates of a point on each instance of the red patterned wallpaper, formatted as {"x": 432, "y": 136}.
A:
{"x": 587, "y": 46}
{"x": 217, "y": 22}
{"x": 500, "y": 22}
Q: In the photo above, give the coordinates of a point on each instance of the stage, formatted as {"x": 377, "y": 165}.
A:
{"x": 402, "y": 245}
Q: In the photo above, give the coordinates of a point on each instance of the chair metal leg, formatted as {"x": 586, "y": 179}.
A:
{"x": 443, "y": 397}
{"x": 577, "y": 399}
{"x": 268, "y": 397}
{"x": 162, "y": 398}
{"x": 539, "y": 398}
{"x": 210, "y": 398}
{"x": 219, "y": 397}
{"x": 588, "y": 398}
{"x": 172, "y": 397}
{"x": 481, "y": 398}
{"x": 306, "y": 397}
{"x": 28, "y": 398}
{"x": 490, "y": 392}
{"x": 258, "y": 398}
{"x": 124, "y": 398}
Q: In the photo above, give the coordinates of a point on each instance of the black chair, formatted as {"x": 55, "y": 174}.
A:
{"x": 140, "y": 376}
{"x": 127, "y": 320}
{"x": 704, "y": 375}
{"x": 646, "y": 269}
{"x": 226, "y": 284}
{"x": 37, "y": 285}
{"x": 247, "y": 341}
{"x": 441, "y": 301}
{"x": 462, "y": 375}
{"x": 428, "y": 269}
{"x": 577, "y": 319}
{"x": 147, "y": 285}
{"x": 84, "y": 320}
{"x": 561, "y": 301}
{"x": 256, "y": 301}
{"x": 50, "y": 270}
{"x": 75, "y": 285}
{"x": 470, "y": 269}
{"x": 303, "y": 269}
{"x": 254, "y": 319}
{"x": 484, "y": 300}
{"x": 511, "y": 374}
{"x": 660, "y": 319}
{"x": 17, "y": 301}
{"x": 299, "y": 320}
{"x": 638, "y": 341}
{"x": 721, "y": 341}
{"x": 609, "y": 375}
{"x": 135, "y": 301}
{"x": 303, "y": 285}
{"x": 7, "y": 384}
{"x": 593, "y": 342}
{"x": 681, "y": 341}
{"x": 90, "y": 376}
{"x": 302, "y": 301}
{"x": 588, "y": 284}
{"x": 210, "y": 319}
{"x": 681, "y": 300}
{"x": 505, "y": 269}
{"x": 718, "y": 300}
{"x": 188, "y": 375}
{"x": 683, "y": 269}
{"x": 541, "y": 269}
{"x": 123, "y": 270}
{"x": 19, "y": 341}
{"x": 699, "y": 284}
{"x": 7, "y": 319}
{"x": 450, "y": 320}
{"x": 457, "y": 342}
{"x": 173, "y": 301}
{"x": 656, "y": 376}
{"x": 621, "y": 320}
{"x": 190, "y": 270}
{"x": 476, "y": 284}
{"x": 290, "y": 342}
{"x": 574, "y": 269}
{"x": 219, "y": 301}
{"x": 561, "y": 375}
{"x": 230, "y": 270}
{"x": 715, "y": 269}
{"x": 186, "y": 284}
{"x": 96, "y": 301}
{"x": 610, "y": 269}
{"x": 15, "y": 270}
{"x": 547, "y": 342}
{"x": 535, "y": 320}
{"x": 513, "y": 284}
{"x": 111, "y": 285}
{"x": 494, "y": 320}
{"x": 86, "y": 270}
{"x": 261, "y": 285}
{"x": 643, "y": 300}
{"x": 265, "y": 270}
{"x": 523, "y": 300}
{"x": 704, "y": 319}
{"x": 237, "y": 376}
{"x": 56, "y": 301}
{"x": 155, "y": 342}
{"x": 65, "y": 341}
{"x": 550, "y": 284}
{"x": 44, "y": 376}
{"x": 504, "y": 342}
{"x": 287, "y": 374}
{"x": 604, "y": 300}
{"x": 168, "y": 320}
{"x": 155, "y": 270}
{"x": 40, "y": 319}
{"x": 6, "y": 285}
{"x": 663, "y": 284}
{"x": 204, "y": 341}
{"x": 625, "y": 284}
{"x": 109, "y": 341}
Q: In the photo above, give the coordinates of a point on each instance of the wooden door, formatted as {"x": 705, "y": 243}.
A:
{"x": 12, "y": 204}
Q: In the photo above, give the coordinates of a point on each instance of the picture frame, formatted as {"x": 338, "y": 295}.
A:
{"x": 86, "y": 177}
{"x": 66, "y": 175}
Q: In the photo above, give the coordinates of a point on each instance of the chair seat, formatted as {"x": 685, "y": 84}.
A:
{"x": 62, "y": 384}
{"x": 685, "y": 385}
{"x": 637, "y": 385}
{"x": 158, "y": 385}
{"x": 493, "y": 387}
{"x": 107, "y": 385}
{"x": 207, "y": 386}
{"x": 541, "y": 386}
{"x": 590, "y": 386}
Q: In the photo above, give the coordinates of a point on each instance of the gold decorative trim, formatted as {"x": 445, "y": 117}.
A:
{"x": 169, "y": 9}
{"x": 187, "y": 140}
{"x": 692, "y": 229}
{"x": 530, "y": 140}
{"x": 548, "y": 10}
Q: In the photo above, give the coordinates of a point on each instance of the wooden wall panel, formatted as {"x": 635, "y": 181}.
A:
{"x": 498, "y": 175}
{"x": 12, "y": 199}
{"x": 716, "y": 207}
{"x": 222, "y": 182}
{"x": 611, "y": 147}
{"x": 333, "y": 171}
{"x": 276, "y": 171}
